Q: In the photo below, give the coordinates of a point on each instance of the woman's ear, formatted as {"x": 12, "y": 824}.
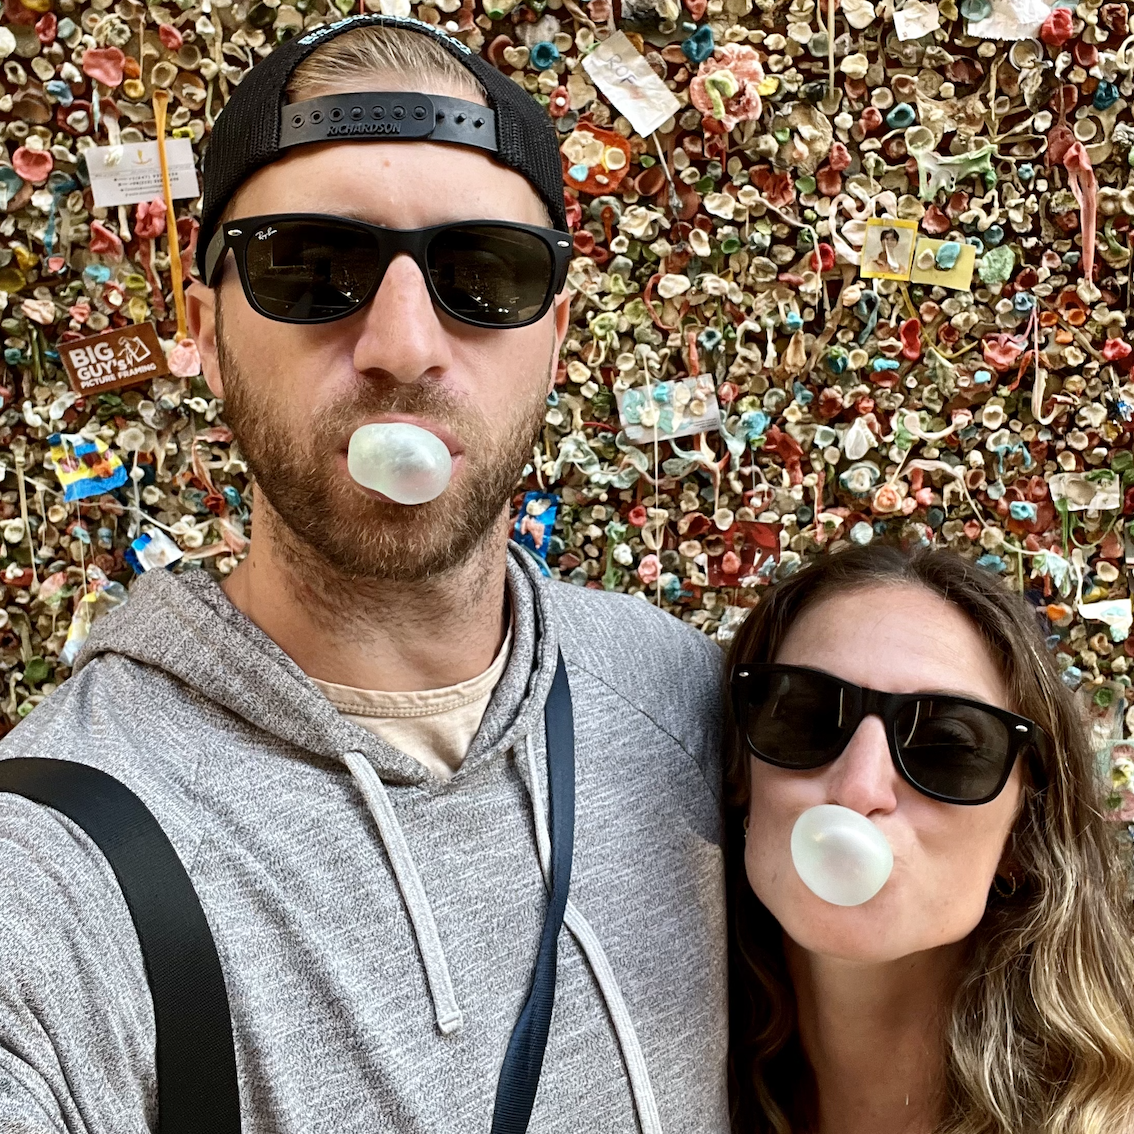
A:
{"x": 1009, "y": 872}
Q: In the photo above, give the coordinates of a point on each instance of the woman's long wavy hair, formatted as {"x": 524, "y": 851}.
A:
{"x": 1040, "y": 1035}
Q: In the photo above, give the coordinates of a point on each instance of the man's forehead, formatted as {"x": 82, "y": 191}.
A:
{"x": 399, "y": 184}
{"x": 380, "y": 82}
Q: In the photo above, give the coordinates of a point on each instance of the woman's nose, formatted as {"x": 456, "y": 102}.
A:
{"x": 864, "y": 778}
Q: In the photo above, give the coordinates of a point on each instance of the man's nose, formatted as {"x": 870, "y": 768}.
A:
{"x": 864, "y": 778}
{"x": 402, "y": 335}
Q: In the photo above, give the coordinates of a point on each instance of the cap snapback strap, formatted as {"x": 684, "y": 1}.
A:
{"x": 387, "y": 116}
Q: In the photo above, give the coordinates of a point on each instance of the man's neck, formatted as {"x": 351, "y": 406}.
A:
{"x": 874, "y": 1036}
{"x": 372, "y": 633}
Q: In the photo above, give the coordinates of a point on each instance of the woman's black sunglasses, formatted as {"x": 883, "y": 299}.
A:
{"x": 949, "y": 748}
{"x": 309, "y": 268}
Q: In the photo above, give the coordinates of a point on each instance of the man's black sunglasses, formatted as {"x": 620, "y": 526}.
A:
{"x": 948, "y": 748}
{"x": 309, "y": 268}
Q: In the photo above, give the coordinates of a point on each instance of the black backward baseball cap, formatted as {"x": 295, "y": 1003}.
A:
{"x": 258, "y": 126}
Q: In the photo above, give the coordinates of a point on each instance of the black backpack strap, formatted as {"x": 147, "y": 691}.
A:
{"x": 523, "y": 1061}
{"x": 194, "y": 1054}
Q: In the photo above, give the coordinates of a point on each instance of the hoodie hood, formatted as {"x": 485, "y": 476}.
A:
{"x": 186, "y": 626}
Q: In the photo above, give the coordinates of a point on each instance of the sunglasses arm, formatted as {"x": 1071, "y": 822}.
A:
{"x": 214, "y": 257}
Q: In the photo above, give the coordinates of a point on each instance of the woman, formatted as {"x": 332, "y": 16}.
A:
{"x": 988, "y": 987}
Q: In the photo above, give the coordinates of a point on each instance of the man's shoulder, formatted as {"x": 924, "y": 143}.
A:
{"x": 654, "y": 663}
{"x": 72, "y": 974}
{"x": 628, "y": 625}
{"x": 113, "y": 701}
{"x": 125, "y": 719}
{"x": 633, "y": 643}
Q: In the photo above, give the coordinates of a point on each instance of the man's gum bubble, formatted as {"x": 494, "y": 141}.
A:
{"x": 408, "y": 464}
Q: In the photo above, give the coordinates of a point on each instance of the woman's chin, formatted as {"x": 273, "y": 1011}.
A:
{"x": 871, "y": 933}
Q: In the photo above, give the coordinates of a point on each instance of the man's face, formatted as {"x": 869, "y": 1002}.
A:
{"x": 294, "y": 394}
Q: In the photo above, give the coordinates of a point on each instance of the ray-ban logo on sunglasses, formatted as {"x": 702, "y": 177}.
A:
{"x": 264, "y": 233}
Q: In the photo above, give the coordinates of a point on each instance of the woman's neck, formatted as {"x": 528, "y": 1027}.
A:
{"x": 874, "y": 1035}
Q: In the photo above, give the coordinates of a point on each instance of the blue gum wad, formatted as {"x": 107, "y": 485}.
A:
{"x": 947, "y": 255}
{"x": 699, "y": 46}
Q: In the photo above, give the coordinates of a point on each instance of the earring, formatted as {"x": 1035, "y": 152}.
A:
{"x": 996, "y": 886}
{"x": 746, "y": 828}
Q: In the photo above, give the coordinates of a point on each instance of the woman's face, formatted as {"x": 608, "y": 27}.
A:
{"x": 897, "y": 639}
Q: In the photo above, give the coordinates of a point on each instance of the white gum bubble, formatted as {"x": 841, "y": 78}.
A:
{"x": 841, "y": 856}
{"x": 408, "y": 464}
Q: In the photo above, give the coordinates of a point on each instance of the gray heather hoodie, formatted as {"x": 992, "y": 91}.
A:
{"x": 377, "y": 928}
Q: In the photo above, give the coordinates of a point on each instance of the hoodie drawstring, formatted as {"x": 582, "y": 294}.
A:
{"x": 450, "y": 1019}
{"x": 642, "y": 1090}
{"x": 447, "y": 1010}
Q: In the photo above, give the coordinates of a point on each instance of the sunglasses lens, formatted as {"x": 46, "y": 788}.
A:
{"x": 794, "y": 719}
{"x": 491, "y": 275}
{"x": 955, "y": 751}
{"x": 310, "y": 271}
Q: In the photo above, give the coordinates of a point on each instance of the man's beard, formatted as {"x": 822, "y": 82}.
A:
{"x": 297, "y": 470}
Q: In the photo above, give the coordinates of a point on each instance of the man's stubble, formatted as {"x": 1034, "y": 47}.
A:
{"x": 325, "y": 525}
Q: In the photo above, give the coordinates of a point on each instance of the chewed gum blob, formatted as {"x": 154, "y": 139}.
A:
{"x": 840, "y": 855}
{"x": 408, "y": 464}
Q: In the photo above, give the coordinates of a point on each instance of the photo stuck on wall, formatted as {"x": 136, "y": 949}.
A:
{"x": 887, "y": 251}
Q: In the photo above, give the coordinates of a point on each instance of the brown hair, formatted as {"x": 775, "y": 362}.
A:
{"x": 1047, "y": 1047}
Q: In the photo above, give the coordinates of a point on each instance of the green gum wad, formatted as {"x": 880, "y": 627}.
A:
{"x": 721, "y": 85}
{"x": 996, "y": 264}
{"x": 937, "y": 172}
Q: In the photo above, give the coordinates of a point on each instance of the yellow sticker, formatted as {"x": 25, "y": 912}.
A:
{"x": 927, "y": 261}
{"x": 887, "y": 251}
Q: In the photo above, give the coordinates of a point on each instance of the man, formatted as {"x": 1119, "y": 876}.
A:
{"x": 345, "y": 743}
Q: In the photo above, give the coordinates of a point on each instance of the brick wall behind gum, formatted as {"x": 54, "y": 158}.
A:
{"x": 851, "y": 409}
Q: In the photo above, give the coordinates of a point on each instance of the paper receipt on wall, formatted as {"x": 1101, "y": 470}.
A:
{"x": 131, "y": 174}
{"x": 916, "y": 19}
{"x": 635, "y": 91}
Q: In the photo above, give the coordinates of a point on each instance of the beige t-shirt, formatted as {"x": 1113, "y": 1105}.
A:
{"x": 434, "y": 726}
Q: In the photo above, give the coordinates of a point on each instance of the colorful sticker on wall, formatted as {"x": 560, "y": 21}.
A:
{"x": 85, "y": 467}
{"x": 669, "y": 409}
{"x": 536, "y": 522}
{"x": 150, "y": 550}
{"x": 103, "y": 596}
{"x": 943, "y": 263}
{"x": 124, "y": 356}
{"x": 887, "y": 251}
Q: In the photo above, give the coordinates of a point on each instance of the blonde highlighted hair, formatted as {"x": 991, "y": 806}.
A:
{"x": 1040, "y": 1036}
{"x": 382, "y": 52}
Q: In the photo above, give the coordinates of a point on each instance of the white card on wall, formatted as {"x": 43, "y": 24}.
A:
{"x": 635, "y": 91}
{"x": 131, "y": 174}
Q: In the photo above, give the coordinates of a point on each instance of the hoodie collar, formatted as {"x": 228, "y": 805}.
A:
{"x": 186, "y": 626}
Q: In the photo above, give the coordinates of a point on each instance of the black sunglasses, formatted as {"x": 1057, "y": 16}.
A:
{"x": 948, "y": 748}
{"x": 309, "y": 268}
